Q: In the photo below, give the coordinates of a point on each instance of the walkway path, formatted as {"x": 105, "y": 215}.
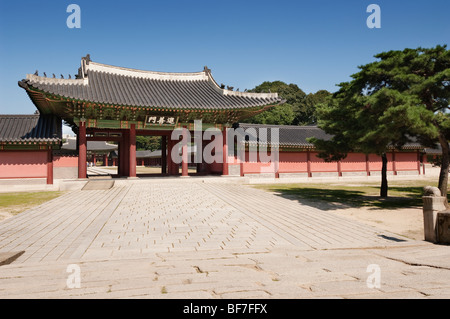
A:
{"x": 176, "y": 238}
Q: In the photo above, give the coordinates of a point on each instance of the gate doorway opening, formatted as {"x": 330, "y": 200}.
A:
{"x": 130, "y": 158}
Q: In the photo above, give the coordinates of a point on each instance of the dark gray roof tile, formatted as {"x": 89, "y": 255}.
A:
{"x": 113, "y": 85}
{"x": 71, "y": 144}
{"x": 288, "y": 135}
{"x": 295, "y": 136}
{"x": 30, "y": 128}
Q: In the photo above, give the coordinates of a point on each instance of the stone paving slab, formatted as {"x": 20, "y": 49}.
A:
{"x": 305, "y": 274}
{"x": 189, "y": 239}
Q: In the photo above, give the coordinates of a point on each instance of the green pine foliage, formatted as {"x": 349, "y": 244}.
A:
{"x": 402, "y": 96}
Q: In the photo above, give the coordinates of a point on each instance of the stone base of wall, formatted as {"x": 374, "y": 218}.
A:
{"x": 354, "y": 173}
{"x": 378, "y": 173}
{"x": 65, "y": 172}
{"x": 234, "y": 170}
{"x": 412, "y": 173}
{"x": 293, "y": 175}
{"x": 325, "y": 174}
{"x": 260, "y": 175}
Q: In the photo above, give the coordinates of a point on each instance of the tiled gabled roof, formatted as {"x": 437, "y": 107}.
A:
{"x": 71, "y": 144}
{"x": 288, "y": 135}
{"x": 294, "y": 136}
{"x": 30, "y": 128}
{"x": 113, "y": 85}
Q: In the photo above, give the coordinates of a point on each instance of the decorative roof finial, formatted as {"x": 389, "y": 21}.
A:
{"x": 62, "y": 76}
{"x": 36, "y": 73}
{"x": 54, "y": 76}
{"x": 87, "y": 58}
{"x": 45, "y": 74}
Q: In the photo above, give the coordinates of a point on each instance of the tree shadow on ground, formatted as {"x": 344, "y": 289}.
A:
{"x": 332, "y": 199}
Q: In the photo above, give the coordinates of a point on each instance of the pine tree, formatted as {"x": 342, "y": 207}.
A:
{"x": 402, "y": 96}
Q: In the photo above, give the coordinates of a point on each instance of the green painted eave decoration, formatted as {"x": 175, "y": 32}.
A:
{"x": 99, "y": 108}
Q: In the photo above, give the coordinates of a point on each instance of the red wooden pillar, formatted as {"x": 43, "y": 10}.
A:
{"x": 184, "y": 154}
{"x": 418, "y": 161}
{"x": 394, "y": 166}
{"x": 105, "y": 159}
{"x": 120, "y": 159}
{"x": 82, "y": 150}
{"x": 367, "y": 165}
{"x": 124, "y": 156}
{"x": 243, "y": 160}
{"x": 169, "y": 156}
{"x": 276, "y": 161}
{"x": 225, "y": 152}
{"x": 163, "y": 154}
{"x": 423, "y": 163}
{"x": 339, "y": 168}
{"x": 308, "y": 163}
{"x": 132, "y": 151}
{"x": 50, "y": 166}
{"x": 94, "y": 159}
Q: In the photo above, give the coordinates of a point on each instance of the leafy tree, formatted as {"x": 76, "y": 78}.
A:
{"x": 151, "y": 143}
{"x": 279, "y": 115}
{"x": 299, "y": 108}
{"x": 404, "y": 94}
{"x": 306, "y": 113}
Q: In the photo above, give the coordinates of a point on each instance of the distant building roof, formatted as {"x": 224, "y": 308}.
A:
{"x": 153, "y": 154}
{"x": 433, "y": 151}
{"x": 71, "y": 144}
{"x": 292, "y": 135}
{"x": 288, "y": 135}
{"x": 148, "y": 154}
{"x": 30, "y": 128}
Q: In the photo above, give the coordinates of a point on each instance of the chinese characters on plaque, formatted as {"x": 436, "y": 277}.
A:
{"x": 161, "y": 120}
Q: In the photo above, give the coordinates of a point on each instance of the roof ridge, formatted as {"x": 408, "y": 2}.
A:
{"x": 19, "y": 115}
{"x": 283, "y": 126}
{"x": 112, "y": 69}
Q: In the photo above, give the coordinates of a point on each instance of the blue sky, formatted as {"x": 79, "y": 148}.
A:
{"x": 314, "y": 44}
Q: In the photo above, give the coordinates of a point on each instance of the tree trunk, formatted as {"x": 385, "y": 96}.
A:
{"x": 443, "y": 175}
{"x": 384, "y": 181}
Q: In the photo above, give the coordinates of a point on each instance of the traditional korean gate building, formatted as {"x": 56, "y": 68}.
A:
{"x": 109, "y": 103}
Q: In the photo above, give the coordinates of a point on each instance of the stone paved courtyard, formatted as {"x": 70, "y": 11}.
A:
{"x": 207, "y": 238}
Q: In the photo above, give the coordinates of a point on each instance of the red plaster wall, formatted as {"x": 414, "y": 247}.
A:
{"x": 296, "y": 162}
{"x": 23, "y": 164}
{"x": 254, "y": 166}
{"x": 354, "y": 162}
{"x": 375, "y": 162}
{"x": 293, "y": 162}
{"x": 406, "y": 161}
{"x": 319, "y": 165}
{"x": 65, "y": 161}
